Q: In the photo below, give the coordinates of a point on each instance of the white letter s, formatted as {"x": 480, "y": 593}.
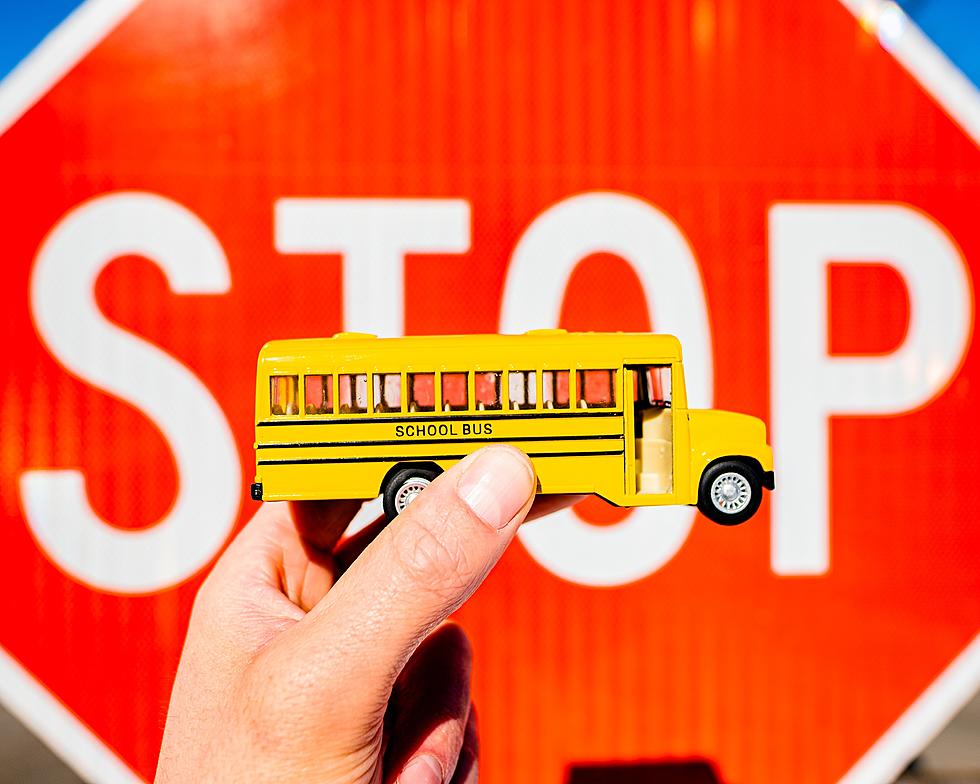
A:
{"x": 68, "y": 320}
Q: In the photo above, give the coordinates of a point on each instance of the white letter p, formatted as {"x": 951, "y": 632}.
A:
{"x": 809, "y": 385}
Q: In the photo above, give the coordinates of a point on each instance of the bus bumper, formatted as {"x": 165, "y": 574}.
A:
{"x": 768, "y": 482}
{"x": 256, "y": 491}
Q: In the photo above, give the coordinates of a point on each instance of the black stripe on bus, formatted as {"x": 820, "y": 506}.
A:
{"x": 407, "y": 458}
{"x": 411, "y": 440}
{"x": 454, "y": 417}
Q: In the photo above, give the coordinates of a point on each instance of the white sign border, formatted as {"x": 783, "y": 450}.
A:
{"x": 60, "y": 51}
{"x": 922, "y": 721}
{"x": 60, "y": 729}
{"x": 20, "y": 693}
{"x": 94, "y": 761}
{"x": 954, "y": 688}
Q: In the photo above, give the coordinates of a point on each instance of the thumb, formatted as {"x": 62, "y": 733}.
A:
{"x": 418, "y": 570}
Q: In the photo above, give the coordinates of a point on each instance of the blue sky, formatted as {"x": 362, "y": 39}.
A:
{"x": 955, "y": 27}
{"x": 953, "y": 24}
{"x": 23, "y": 23}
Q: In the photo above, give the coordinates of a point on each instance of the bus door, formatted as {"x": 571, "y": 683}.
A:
{"x": 653, "y": 429}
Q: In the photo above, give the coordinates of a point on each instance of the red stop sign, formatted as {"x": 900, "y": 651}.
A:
{"x": 765, "y": 180}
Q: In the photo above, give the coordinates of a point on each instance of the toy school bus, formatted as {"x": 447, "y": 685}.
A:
{"x": 353, "y": 416}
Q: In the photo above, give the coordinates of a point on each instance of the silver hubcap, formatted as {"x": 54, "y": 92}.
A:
{"x": 731, "y": 493}
{"x": 408, "y": 492}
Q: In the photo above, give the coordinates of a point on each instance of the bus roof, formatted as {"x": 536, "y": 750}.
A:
{"x": 536, "y": 348}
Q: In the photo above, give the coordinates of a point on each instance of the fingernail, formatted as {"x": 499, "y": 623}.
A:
{"x": 421, "y": 770}
{"x": 496, "y": 485}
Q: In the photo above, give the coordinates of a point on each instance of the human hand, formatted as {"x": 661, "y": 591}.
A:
{"x": 298, "y": 668}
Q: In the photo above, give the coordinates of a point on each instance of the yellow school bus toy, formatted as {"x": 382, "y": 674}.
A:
{"x": 354, "y": 416}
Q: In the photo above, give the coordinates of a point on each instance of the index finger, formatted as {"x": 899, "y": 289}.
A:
{"x": 320, "y": 524}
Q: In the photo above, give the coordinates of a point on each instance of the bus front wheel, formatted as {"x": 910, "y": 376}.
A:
{"x": 730, "y": 492}
{"x": 404, "y": 486}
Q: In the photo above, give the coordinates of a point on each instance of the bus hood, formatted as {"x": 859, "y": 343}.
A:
{"x": 728, "y": 425}
{"x": 716, "y": 434}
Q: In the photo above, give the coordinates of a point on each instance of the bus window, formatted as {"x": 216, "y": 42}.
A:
{"x": 421, "y": 391}
{"x": 353, "y": 393}
{"x": 319, "y": 394}
{"x": 652, "y": 387}
{"x": 387, "y": 392}
{"x": 554, "y": 391}
{"x": 487, "y": 390}
{"x": 282, "y": 395}
{"x": 523, "y": 389}
{"x": 454, "y": 392}
{"x": 596, "y": 388}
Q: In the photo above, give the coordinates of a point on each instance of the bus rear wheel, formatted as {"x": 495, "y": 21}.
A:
{"x": 404, "y": 486}
{"x": 730, "y": 492}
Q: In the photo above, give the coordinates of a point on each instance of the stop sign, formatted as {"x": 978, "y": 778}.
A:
{"x": 764, "y": 180}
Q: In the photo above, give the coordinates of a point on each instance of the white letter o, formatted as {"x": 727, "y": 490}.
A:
{"x": 540, "y": 268}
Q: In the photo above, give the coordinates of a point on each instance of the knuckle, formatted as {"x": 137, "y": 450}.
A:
{"x": 272, "y": 696}
{"x": 280, "y": 704}
{"x": 436, "y": 557}
{"x": 208, "y": 599}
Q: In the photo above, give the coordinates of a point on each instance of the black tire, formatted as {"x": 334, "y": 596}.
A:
{"x": 743, "y": 477}
{"x": 402, "y": 481}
